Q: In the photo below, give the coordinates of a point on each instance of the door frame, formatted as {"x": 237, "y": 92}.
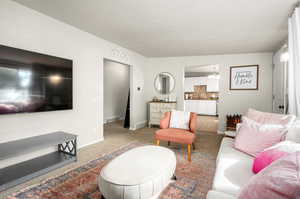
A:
{"x": 130, "y": 89}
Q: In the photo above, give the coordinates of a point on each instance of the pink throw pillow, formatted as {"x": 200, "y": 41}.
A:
{"x": 265, "y": 158}
{"x": 273, "y": 153}
{"x": 270, "y": 118}
{"x": 281, "y": 180}
{"x": 252, "y": 137}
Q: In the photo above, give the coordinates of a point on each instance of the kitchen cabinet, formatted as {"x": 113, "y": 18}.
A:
{"x": 203, "y": 107}
{"x": 188, "y": 85}
{"x": 190, "y": 82}
{"x": 212, "y": 85}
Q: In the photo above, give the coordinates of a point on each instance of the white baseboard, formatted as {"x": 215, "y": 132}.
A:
{"x": 112, "y": 119}
{"x": 139, "y": 125}
{"x": 94, "y": 142}
{"x": 132, "y": 128}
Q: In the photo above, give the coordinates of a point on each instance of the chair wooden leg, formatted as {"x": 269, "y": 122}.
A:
{"x": 169, "y": 143}
{"x": 194, "y": 146}
{"x": 189, "y": 152}
{"x": 157, "y": 142}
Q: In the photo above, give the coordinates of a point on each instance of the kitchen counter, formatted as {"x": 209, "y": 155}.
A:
{"x": 203, "y": 99}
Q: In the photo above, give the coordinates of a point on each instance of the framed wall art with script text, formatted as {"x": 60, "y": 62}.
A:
{"x": 244, "y": 77}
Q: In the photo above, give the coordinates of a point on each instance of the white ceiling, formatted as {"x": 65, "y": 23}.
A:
{"x": 157, "y": 28}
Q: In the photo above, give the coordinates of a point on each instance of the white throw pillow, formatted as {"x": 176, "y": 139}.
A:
{"x": 285, "y": 146}
{"x": 180, "y": 120}
{"x": 293, "y": 133}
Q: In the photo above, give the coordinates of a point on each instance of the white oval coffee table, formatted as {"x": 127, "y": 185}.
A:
{"x": 141, "y": 173}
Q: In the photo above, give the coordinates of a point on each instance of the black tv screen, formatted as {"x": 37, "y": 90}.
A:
{"x": 34, "y": 82}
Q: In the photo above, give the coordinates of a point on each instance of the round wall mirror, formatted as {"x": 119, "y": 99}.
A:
{"x": 164, "y": 83}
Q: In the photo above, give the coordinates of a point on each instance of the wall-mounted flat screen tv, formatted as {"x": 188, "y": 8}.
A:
{"x": 34, "y": 82}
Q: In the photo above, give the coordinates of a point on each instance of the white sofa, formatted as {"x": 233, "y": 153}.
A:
{"x": 234, "y": 168}
{"x": 233, "y": 171}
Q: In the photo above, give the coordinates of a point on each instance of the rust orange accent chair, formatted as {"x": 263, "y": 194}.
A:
{"x": 181, "y": 136}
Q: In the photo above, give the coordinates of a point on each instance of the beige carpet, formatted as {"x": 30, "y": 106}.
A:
{"x": 116, "y": 136}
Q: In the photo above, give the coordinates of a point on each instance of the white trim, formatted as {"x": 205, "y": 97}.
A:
{"x": 132, "y": 128}
{"x": 112, "y": 119}
{"x": 94, "y": 142}
{"x": 131, "y": 85}
{"x": 140, "y": 125}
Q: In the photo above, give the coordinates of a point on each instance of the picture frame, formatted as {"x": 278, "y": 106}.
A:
{"x": 244, "y": 77}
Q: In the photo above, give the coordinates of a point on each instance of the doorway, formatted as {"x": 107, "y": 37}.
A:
{"x": 201, "y": 95}
{"x": 116, "y": 94}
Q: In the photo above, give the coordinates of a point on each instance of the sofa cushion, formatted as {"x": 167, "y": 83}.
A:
{"x": 281, "y": 180}
{"x": 273, "y": 153}
{"x": 234, "y": 168}
{"x": 175, "y": 135}
{"x": 270, "y": 118}
{"x": 293, "y": 133}
{"x": 218, "y": 195}
{"x": 254, "y": 137}
{"x": 265, "y": 158}
{"x": 286, "y": 146}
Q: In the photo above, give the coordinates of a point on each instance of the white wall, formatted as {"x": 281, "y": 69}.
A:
{"x": 116, "y": 87}
{"x": 25, "y": 28}
{"x": 230, "y": 101}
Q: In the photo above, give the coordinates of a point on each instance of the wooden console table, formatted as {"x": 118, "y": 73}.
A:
{"x": 18, "y": 173}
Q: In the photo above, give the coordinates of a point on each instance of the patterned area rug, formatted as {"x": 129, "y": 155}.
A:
{"x": 194, "y": 179}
